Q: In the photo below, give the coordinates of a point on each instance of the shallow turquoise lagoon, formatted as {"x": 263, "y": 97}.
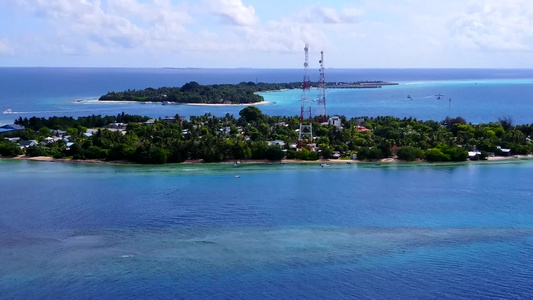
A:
{"x": 403, "y": 231}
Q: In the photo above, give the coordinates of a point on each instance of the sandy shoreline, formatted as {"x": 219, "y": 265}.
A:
{"x": 257, "y": 161}
{"x": 188, "y": 104}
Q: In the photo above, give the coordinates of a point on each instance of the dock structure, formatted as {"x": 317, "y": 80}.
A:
{"x": 360, "y": 85}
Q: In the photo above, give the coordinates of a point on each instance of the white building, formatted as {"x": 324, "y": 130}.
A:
{"x": 226, "y": 130}
{"x": 277, "y": 143}
{"x": 335, "y": 121}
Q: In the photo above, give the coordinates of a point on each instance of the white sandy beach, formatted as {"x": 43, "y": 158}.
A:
{"x": 259, "y": 161}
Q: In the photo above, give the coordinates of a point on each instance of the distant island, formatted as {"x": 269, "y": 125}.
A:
{"x": 255, "y": 136}
{"x": 242, "y": 93}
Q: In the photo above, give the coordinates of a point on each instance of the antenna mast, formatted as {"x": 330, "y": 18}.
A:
{"x": 306, "y": 127}
{"x": 321, "y": 101}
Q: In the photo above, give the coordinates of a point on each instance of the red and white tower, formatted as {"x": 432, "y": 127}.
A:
{"x": 306, "y": 127}
{"x": 321, "y": 101}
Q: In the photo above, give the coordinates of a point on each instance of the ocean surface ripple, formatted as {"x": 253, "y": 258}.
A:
{"x": 403, "y": 231}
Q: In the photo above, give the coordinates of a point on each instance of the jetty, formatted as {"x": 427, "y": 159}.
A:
{"x": 359, "y": 85}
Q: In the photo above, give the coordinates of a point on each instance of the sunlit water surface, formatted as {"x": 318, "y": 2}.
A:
{"x": 456, "y": 231}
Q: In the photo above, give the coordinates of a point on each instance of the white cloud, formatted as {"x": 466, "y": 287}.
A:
{"x": 78, "y": 20}
{"x": 496, "y": 25}
{"x": 5, "y": 47}
{"x": 234, "y": 12}
{"x": 284, "y": 36}
{"x": 328, "y": 15}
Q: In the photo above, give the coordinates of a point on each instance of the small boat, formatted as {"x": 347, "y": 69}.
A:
{"x": 8, "y": 111}
{"x": 324, "y": 165}
{"x": 237, "y": 176}
{"x": 439, "y": 95}
{"x": 409, "y": 97}
{"x": 438, "y": 98}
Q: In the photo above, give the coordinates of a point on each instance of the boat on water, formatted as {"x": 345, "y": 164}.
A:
{"x": 439, "y": 95}
{"x": 409, "y": 97}
{"x": 324, "y": 165}
{"x": 8, "y": 111}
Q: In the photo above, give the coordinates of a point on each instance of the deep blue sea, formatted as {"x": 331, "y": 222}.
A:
{"x": 478, "y": 95}
{"x": 401, "y": 231}
{"x": 358, "y": 231}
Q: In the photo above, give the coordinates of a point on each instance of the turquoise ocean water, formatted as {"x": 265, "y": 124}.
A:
{"x": 368, "y": 231}
{"x": 459, "y": 231}
{"x": 480, "y": 95}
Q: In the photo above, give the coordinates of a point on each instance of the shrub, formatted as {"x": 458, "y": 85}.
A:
{"x": 369, "y": 153}
{"x": 9, "y": 149}
{"x": 436, "y": 154}
{"x": 410, "y": 153}
{"x": 274, "y": 153}
{"x": 37, "y": 151}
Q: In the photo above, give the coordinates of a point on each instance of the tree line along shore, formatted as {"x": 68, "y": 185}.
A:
{"x": 242, "y": 93}
{"x": 254, "y": 135}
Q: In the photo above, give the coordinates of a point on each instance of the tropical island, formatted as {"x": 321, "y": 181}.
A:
{"x": 242, "y": 93}
{"x": 254, "y": 135}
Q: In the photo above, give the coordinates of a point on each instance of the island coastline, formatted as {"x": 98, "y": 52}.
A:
{"x": 322, "y": 162}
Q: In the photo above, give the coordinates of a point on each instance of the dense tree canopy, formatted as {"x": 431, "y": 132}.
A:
{"x": 192, "y": 92}
{"x": 214, "y": 139}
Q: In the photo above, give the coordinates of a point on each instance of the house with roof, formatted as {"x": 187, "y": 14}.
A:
{"x": 28, "y": 143}
{"x": 48, "y": 140}
{"x": 169, "y": 119}
{"x": 473, "y": 154}
{"x": 11, "y": 127}
{"x": 226, "y": 130}
{"x": 13, "y": 139}
{"x": 58, "y": 132}
{"x": 335, "y": 121}
{"x": 277, "y": 143}
{"x": 120, "y": 126}
{"x": 504, "y": 151}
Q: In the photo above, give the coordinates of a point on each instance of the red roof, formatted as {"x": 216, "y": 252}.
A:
{"x": 362, "y": 129}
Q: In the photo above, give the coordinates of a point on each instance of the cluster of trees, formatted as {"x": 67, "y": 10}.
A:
{"x": 9, "y": 149}
{"x": 215, "y": 139}
{"x": 63, "y": 123}
{"x": 193, "y": 92}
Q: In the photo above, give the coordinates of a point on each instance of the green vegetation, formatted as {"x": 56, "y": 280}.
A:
{"x": 192, "y": 92}
{"x": 254, "y": 135}
{"x": 410, "y": 153}
{"x": 9, "y": 149}
{"x": 242, "y": 93}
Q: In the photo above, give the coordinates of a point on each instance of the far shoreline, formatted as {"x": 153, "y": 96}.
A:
{"x": 325, "y": 162}
{"x": 173, "y": 104}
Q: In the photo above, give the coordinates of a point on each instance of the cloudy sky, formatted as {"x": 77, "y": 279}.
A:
{"x": 267, "y": 33}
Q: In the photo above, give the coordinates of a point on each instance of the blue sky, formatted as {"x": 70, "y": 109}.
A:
{"x": 267, "y": 34}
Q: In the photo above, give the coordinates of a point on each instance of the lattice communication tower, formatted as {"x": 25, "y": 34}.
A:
{"x": 321, "y": 101}
{"x": 306, "y": 127}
